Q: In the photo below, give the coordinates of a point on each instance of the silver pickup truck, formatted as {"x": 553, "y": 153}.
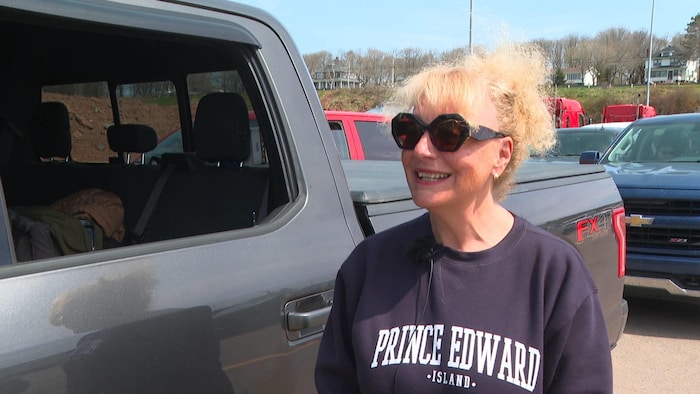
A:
{"x": 213, "y": 271}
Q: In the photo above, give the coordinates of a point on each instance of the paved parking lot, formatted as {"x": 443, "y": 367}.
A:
{"x": 659, "y": 351}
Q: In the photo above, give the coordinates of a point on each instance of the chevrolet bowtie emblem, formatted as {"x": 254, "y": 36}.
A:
{"x": 638, "y": 220}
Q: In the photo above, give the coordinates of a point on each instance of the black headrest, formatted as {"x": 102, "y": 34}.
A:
{"x": 50, "y": 130}
{"x": 131, "y": 138}
{"x": 221, "y": 128}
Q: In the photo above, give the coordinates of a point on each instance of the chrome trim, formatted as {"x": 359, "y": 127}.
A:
{"x": 662, "y": 284}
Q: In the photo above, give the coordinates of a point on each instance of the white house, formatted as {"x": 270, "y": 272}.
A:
{"x": 335, "y": 76}
{"x": 670, "y": 65}
{"x": 574, "y": 76}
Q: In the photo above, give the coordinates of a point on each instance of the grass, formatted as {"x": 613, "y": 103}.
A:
{"x": 163, "y": 101}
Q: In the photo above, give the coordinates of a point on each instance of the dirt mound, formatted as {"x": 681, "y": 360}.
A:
{"x": 91, "y": 116}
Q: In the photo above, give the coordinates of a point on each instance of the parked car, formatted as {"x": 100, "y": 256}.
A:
{"x": 357, "y": 136}
{"x": 656, "y": 165}
{"x": 571, "y": 142}
{"x": 615, "y": 126}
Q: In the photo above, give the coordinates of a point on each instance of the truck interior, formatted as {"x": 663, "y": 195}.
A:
{"x": 211, "y": 186}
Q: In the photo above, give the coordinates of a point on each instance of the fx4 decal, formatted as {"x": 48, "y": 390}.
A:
{"x": 592, "y": 227}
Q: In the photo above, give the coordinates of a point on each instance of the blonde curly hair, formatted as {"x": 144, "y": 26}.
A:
{"x": 513, "y": 75}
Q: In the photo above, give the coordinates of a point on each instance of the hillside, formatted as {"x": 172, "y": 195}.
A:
{"x": 668, "y": 99}
{"x": 359, "y": 100}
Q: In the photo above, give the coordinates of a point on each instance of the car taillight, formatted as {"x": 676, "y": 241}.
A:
{"x": 620, "y": 233}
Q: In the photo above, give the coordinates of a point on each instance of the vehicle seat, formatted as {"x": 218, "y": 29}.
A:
{"x": 50, "y": 132}
{"x": 125, "y": 139}
{"x": 10, "y": 136}
{"x": 221, "y": 194}
{"x": 222, "y": 129}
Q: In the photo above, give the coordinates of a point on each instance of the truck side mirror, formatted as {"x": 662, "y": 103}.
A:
{"x": 589, "y": 157}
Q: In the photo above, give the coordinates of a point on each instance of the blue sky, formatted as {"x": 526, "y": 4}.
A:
{"x": 387, "y": 25}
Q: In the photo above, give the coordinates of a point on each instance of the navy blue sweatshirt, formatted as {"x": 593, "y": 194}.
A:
{"x": 411, "y": 316}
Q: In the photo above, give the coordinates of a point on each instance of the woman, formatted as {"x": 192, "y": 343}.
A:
{"x": 468, "y": 296}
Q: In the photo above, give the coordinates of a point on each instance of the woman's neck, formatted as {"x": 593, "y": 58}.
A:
{"x": 474, "y": 229}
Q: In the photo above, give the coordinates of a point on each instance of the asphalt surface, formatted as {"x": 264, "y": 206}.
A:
{"x": 659, "y": 351}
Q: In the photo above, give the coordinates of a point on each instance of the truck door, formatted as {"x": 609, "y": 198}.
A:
{"x": 228, "y": 289}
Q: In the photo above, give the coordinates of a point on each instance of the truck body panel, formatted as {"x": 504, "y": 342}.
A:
{"x": 224, "y": 308}
{"x": 627, "y": 112}
{"x": 567, "y": 112}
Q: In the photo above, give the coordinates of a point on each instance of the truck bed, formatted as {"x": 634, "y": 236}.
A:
{"x": 373, "y": 182}
{"x": 380, "y": 192}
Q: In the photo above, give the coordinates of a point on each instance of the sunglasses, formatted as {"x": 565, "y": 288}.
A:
{"x": 447, "y": 132}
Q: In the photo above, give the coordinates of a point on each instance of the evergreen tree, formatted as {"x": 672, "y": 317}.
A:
{"x": 558, "y": 78}
{"x": 691, "y": 39}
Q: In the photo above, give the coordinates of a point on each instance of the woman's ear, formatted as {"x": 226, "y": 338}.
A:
{"x": 505, "y": 152}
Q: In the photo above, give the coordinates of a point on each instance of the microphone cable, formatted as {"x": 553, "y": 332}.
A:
{"x": 419, "y": 318}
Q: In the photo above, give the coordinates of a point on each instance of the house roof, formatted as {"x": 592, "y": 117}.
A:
{"x": 670, "y": 48}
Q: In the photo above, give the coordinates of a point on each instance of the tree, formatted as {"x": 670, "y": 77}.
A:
{"x": 637, "y": 57}
{"x": 582, "y": 54}
{"x": 691, "y": 39}
{"x": 316, "y": 61}
{"x": 554, "y": 50}
{"x": 558, "y": 77}
{"x": 616, "y": 56}
{"x": 353, "y": 62}
{"x": 454, "y": 55}
{"x": 613, "y": 46}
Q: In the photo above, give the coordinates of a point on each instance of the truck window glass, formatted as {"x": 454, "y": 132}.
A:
{"x": 377, "y": 142}
{"x": 202, "y": 84}
{"x": 89, "y": 115}
{"x": 340, "y": 139}
{"x": 221, "y": 172}
{"x": 153, "y": 104}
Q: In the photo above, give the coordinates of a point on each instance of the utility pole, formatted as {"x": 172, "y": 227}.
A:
{"x": 471, "y": 12}
{"x": 651, "y": 39}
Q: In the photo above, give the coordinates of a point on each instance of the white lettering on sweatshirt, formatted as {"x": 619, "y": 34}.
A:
{"x": 470, "y": 350}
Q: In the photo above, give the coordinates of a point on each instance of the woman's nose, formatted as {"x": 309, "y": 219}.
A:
{"x": 424, "y": 145}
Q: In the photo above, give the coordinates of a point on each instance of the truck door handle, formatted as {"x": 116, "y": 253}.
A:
{"x": 297, "y": 321}
{"x": 307, "y": 316}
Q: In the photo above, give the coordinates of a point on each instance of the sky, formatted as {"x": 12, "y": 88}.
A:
{"x": 441, "y": 25}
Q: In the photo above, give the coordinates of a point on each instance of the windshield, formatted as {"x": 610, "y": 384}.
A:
{"x": 573, "y": 143}
{"x": 669, "y": 142}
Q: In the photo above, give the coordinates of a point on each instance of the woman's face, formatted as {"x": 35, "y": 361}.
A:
{"x": 454, "y": 181}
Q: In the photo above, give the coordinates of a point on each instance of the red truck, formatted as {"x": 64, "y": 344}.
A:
{"x": 627, "y": 112}
{"x": 567, "y": 112}
{"x": 362, "y": 136}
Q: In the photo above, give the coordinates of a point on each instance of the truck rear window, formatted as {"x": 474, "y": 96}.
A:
{"x": 377, "y": 142}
